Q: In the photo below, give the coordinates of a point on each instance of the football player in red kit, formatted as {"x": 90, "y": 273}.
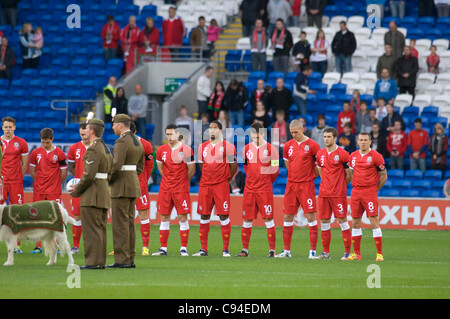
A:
{"x": 14, "y": 165}
{"x": 48, "y": 168}
{"x": 335, "y": 174}
{"x": 218, "y": 164}
{"x": 143, "y": 203}
{"x": 175, "y": 162}
{"x": 261, "y": 163}
{"x": 76, "y": 167}
{"x": 369, "y": 176}
{"x": 299, "y": 155}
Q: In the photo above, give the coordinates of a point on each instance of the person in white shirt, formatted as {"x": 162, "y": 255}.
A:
{"x": 204, "y": 89}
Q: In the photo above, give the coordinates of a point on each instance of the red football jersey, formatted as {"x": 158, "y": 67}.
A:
{"x": 48, "y": 166}
{"x": 301, "y": 159}
{"x": 145, "y": 175}
{"x": 261, "y": 167}
{"x": 333, "y": 164}
{"x": 75, "y": 155}
{"x": 174, "y": 177}
{"x": 13, "y": 151}
{"x": 216, "y": 161}
{"x": 366, "y": 167}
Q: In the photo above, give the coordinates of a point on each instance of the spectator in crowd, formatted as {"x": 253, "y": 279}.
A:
{"x": 186, "y": 122}
{"x": 306, "y": 130}
{"x": 442, "y": 8}
{"x": 205, "y": 125}
{"x": 120, "y": 102}
{"x": 109, "y": 93}
{"x": 260, "y": 115}
{"x": 362, "y": 119}
{"x": 347, "y": 139}
{"x": 281, "y": 98}
{"x": 212, "y": 32}
{"x": 301, "y": 52}
{"x": 251, "y": 10}
{"x": 426, "y": 8}
{"x": 148, "y": 40}
{"x": 412, "y": 45}
{"x": 173, "y": 32}
{"x": 319, "y": 55}
{"x": 373, "y": 117}
{"x": 417, "y": 146}
{"x": 397, "y": 143}
{"x": 224, "y": 119}
{"x": 433, "y": 60}
{"x": 38, "y": 43}
{"x": 397, "y": 8}
{"x": 396, "y": 39}
{"x": 258, "y": 43}
{"x": 381, "y": 110}
{"x": 345, "y": 116}
{"x": 438, "y": 148}
{"x": 406, "y": 68}
{"x": 204, "y": 89}
{"x": 385, "y": 88}
{"x": 29, "y": 60}
{"x": 379, "y": 140}
{"x": 215, "y": 101}
{"x": 6, "y": 59}
{"x": 282, "y": 134}
{"x": 111, "y": 35}
{"x": 235, "y": 101}
{"x": 314, "y": 12}
{"x": 343, "y": 46}
{"x": 260, "y": 94}
{"x": 199, "y": 40}
{"x": 137, "y": 110}
{"x": 277, "y": 10}
{"x": 387, "y": 123}
{"x": 281, "y": 44}
{"x": 295, "y": 9}
{"x": 301, "y": 89}
{"x": 317, "y": 131}
{"x": 129, "y": 38}
{"x": 9, "y": 12}
{"x": 355, "y": 102}
{"x": 386, "y": 61}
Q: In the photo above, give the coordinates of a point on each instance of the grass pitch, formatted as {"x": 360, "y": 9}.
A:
{"x": 417, "y": 265}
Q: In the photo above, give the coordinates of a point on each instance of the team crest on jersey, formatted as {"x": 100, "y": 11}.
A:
{"x": 221, "y": 149}
{"x": 369, "y": 159}
{"x": 55, "y": 158}
{"x": 180, "y": 154}
{"x": 266, "y": 152}
{"x": 306, "y": 148}
{"x": 16, "y": 145}
{"x": 336, "y": 158}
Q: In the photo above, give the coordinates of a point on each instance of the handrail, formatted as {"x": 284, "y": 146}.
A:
{"x": 67, "y": 101}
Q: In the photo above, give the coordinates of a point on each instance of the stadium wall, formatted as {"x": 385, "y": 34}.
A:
{"x": 395, "y": 213}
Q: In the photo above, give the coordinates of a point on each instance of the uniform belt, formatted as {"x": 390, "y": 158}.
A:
{"x": 101, "y": 176}
{"x": 128, "y": 168}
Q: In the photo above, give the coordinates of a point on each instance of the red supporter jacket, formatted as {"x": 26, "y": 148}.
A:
{"x": 115, "y": 36}
{"x": 399, "y": 141}
{"x": 173, "y": 31}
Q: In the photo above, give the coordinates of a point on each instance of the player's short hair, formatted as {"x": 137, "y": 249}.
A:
{"x": 257, "y": 128}
{"x": 418, "y": 120}
{"x": 83, "y": 126}
{"x": 171, "y": 127}
{"x": 98, "y": 129}
{"x": 217, "y": 123}
{"x": 296, "y": 123}
{"x": 331, "y": 130}
{"x": 8, "y": 119}
{"x": 365, "y": 133}
{"x": 46, "y": 134}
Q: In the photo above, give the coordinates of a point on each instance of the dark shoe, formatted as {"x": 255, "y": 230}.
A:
{"x": 116, "y": 265}
{"x": 133, "y": 265}
{"x": 92, "y": 267}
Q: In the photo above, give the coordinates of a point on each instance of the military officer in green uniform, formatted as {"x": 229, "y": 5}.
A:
{"x": 128, "y": 163}
{"x": 93, "y": 189}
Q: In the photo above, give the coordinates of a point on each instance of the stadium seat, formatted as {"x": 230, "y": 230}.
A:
{"x": 422, "y": 100}
{"x": 389, "y": 192}
{"x": 441, "y": 101}
{"x": 426, "y": 22}
{"x": 430, "y": 112}
{"x": 408, "y": 22}
{"x": 439, "y": 119}
{"x": 401, "y": 184}
{"x": 403, "y": 100}
{"x": 437, "y": 185}
{"x": 433, "y": 34}
{"x": 396, "y": 174}
{"x": 443, "y": 23}
{"x": 315, "y": 77}
{"x": 414, "y": 175}
{"x": 421, "y": 185}
{"x": 433, "y": 175}
{"x": 412, "y": 111}
{"x": 350, "y": 78}
{"x": 433, "y": 194}
{"x": 416, "y": 33}
{"x": 433, "y": 89}
{"x": 409, "y": 193}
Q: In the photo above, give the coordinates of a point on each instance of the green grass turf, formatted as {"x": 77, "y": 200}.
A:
{"x": 416, "y": 266}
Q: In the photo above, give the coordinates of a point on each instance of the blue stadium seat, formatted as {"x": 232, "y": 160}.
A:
{"x": 254, "y": 76}
{"x": 389, "y": 192}
{"x": 388, "y": 184}
{"x": 401, "y": 184}
{"x": 408, "y": 22}
{"x": 410, "y": 193}
{"x": 333, "y": 109}
{"x": 437, "y": 185}
{"x": 320, "y": 88}
{"x": 5, "y": 94}
{"x": 414, "y": 175}
{"x": 4, "y": 83}
{"x": 411, "y": 110}
{"x": 315, "y": 77}
{"x": 416, "y": 33}
{"x": 395, "y": 174}
{"x": 421, "y": 185}
{"x": 443, "y": 23}
{"x": 438, "y": 119}
{"x": 433, "y": 175}
{"x": 425, "y": 23}
{"x": 331, "y": 10}
{"x": 338, "y": 89}
{"x": 282, "y": 172}
{"x": 430, "y": 111}
{"x": 433, "y": 34}
{"x": 433, "y": 194}
{"x": 27, "y": 181}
